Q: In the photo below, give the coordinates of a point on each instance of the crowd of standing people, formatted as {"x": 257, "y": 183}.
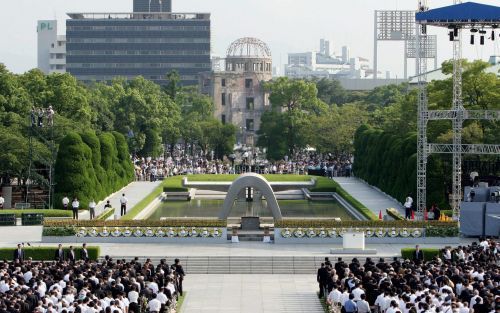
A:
{"x": 461, "y": 280}
{"x": 181, "y": 163}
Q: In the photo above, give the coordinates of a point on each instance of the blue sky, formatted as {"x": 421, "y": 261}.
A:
{"x": 286, "y": 25}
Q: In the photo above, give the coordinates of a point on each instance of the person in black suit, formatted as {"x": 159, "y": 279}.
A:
{"x": 180, "y": 274}
{"x": 322, "y": 279}
{"x": 84, "y": 254}
{"x": 19, "y": 253}
{"x": 59, "y": 254}
{"x": 71, "y": 254}
{"x": 418, "y": 255}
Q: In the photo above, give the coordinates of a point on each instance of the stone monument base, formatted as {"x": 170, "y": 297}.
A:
{"x": 250, "y": 223}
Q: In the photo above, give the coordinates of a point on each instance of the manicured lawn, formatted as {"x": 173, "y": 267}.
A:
{"x": 174, "y": 184}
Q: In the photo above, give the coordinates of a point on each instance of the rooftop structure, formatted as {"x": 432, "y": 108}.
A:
{"x": 152, "y": 5}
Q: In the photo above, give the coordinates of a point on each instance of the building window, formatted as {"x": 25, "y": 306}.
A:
{"x": 223, "y": 119}
{"x": 223, "y": 98}
{"x": 248, "y": 83}
{"x": 250, "y": 104}
{"x": 223, "y": 82}
{"x": 249, "y": 124}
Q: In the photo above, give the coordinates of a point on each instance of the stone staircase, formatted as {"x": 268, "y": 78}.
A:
{"x": 247, "y": 264}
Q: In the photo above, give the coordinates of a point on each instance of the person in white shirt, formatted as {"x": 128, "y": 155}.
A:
{"x": 65, "y": 202}
{"x": 92, "y": 206}
{"x": 2, "y": 201}
{"x": 75, "y": 205}
{"x": 357, "y": 292}
{"x": 123, "y": 205}
{"x": 153, "y": 286}
{"x": 475, "y": 299}
{"x": 334, "y": 296}
{"x": 154, "y": 305}
{"x": 447, "y": 254}
{"x": 408, "y": 203}
{"x": 393, "y": 307}
{"x": 162, "y": 297}
{"x": 363, "y": 305}
{"x": 383, "y": 301}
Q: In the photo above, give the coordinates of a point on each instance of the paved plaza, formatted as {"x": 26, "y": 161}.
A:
{"x": 251, "y": 294}
{"x": 372, "y": 198}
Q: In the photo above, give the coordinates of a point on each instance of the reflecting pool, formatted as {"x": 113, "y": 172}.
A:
{"x": 289, "y": 208}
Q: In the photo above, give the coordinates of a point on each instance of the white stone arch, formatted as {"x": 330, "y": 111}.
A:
{"x": 255, "y": 181}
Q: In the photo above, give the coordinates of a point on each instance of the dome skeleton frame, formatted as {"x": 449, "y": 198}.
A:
{"x": 249, "y": 47}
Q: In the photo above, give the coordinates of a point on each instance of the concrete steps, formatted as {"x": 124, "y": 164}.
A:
{"x": 248, "y": 264}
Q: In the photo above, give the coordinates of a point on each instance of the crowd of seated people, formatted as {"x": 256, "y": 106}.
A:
{"x": 461, "y": 280}
{"x": 85, "y": 286}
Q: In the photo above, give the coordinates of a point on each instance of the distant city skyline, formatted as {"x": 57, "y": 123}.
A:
{"x": 284, "y": 27}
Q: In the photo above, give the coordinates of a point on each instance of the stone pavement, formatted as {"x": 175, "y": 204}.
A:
{"x": 251, "y": 293}
{"x": 134, "y": 192}
{"x": 372, "y": 198}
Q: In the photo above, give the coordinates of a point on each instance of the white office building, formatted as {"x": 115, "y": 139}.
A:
{"x": 326, "y": 64}
{"x": 51, "y": 48}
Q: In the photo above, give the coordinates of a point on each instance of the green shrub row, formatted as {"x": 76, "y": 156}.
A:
{"x": 8, "y": 219}
{"x": 59, "y": 231}
{"x": 437, "y": 231}
{"x": 46, "y": 253}
{"x": 448, "y": 213}
{"x": 206, "y": 222}
{"x": 389, "y": 161}
{"x": 294, "y": 223}
{"x": 91, "y": 167}
{"x": 46, "y": 213}
{"x": 429, "y": 253}
{"x": 106, "y": 214}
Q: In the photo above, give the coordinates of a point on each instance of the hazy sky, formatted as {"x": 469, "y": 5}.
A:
{"x": 286, "y": 25}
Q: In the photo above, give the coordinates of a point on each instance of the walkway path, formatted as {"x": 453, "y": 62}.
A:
{"x": 373, "y": 199}
{"x": 134, "y": 192}
{"x": 251, "y": 293}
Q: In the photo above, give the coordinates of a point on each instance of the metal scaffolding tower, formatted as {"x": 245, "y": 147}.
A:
{"x": 41, "y": 167}
{"x": 455, "y": 19}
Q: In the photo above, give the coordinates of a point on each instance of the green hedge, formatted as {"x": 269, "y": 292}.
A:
{"x": 91, "y": 167}
{"x": 7, "y": 219}
{"x": 32, "y": 219}
{"x": 353, "y": 224}
{"x": 205, "y": 222}
{"x": 46, "y": 213}
{"x": 46, "y": 253}
{"x": 106, "y": 214}
{"x": 59, "y": 231}
{"x": 439, "y": 231}
{"x": 429, "y": 253}
{"x": 389, "y": 162}
{"x": 448, "y": 213}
